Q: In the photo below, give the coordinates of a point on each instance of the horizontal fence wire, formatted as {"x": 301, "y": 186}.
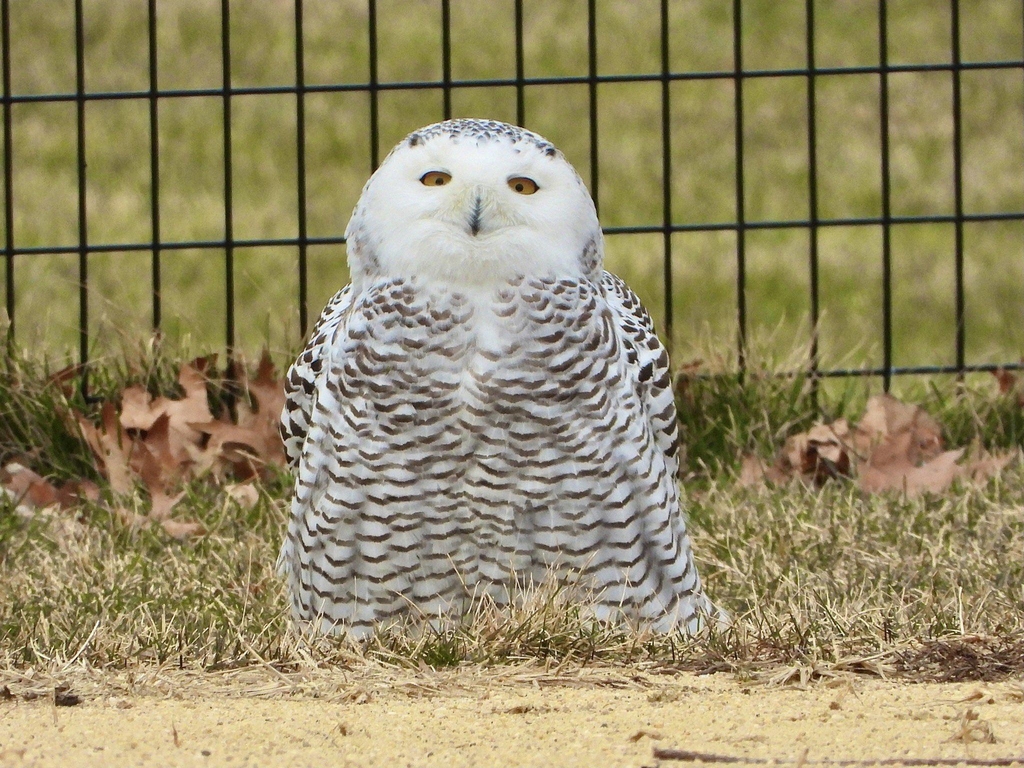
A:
{"x": 738, "y": 76}
{"x": 512, "y": 82}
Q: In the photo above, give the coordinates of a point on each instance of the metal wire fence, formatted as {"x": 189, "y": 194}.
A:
{"x": 946, "y": 61}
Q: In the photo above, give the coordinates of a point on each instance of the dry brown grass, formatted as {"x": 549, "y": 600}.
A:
{"x": 816, "y": 580}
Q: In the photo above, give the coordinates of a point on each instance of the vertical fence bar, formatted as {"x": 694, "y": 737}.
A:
{"x": 154, "y": 169}
{"x": 229, "y": 235}
{"x": 883, "y": 59}
{"x": 300, "y": 161}
{"x": 520, "y": 67}
{"x": 741, "y": 228}
{"x": 373, "y": 86}
{"x": 812, "y": 189}
{"x": 958, "y": 192}
{"x": 83, "y": 229}
{"x": 592, "y": 84}
{"x": 5, "y": 55}
{"x": 446, "y": 57}
{"x": 666, "y": 173}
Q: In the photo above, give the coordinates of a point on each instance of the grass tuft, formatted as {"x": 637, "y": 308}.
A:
{"x": 814, "y": 580}
{"x": 34, "y": 428}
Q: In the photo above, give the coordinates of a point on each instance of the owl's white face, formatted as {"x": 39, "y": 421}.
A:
{"x": 473, "y": 202}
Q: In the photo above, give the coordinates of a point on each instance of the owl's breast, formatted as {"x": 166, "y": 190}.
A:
{"x": 532, "y": 349}
{"x": 544, "y": 334}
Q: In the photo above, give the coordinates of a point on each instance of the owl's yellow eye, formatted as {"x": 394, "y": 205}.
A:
{"x": 435, "y": 178}
{"x": 523, "y": 185}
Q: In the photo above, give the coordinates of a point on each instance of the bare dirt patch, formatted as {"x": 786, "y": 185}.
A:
{"x": 508, "y": 718}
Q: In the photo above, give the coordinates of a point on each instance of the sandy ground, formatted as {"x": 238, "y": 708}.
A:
{"x": 467, "y": 719}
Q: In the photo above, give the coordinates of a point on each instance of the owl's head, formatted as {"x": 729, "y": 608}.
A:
{"x": 474, "y": 202}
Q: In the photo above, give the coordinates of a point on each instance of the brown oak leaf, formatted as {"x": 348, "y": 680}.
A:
{"x": 182, "y": 529}
{"x": 111, "y": 447}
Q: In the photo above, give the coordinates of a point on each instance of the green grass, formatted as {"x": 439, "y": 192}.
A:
{"x": 812, "y": 578}
{"x": 724, "y": 415}
{"x": 629, "y": 141}
{"x": 809, "y": 577}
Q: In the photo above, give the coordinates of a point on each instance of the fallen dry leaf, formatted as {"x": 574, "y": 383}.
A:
{"x": 984, "y": 465}
{"x": 899, "y": 428}
{"x": 163, "y": 440}
{"x": 36, "y": 492}
{"x": 136, "y": 409}
{"x": 129, "y": 517}
{"x": 754, "y": 471}
{"x": 74, "y": 492}
{"x": 818, "y": 455}
{"x": 246, "y": 448}
{"x": 152, "y": 460}
{"x": 182, "y": 529}
{"x": 140, "y": 412}
{"x": 159, "y": 442}
{"x": 163, "y": 504}
{"x": 267, "y": 388}
{"x": 244, "y": 495}
{"x": 895, "y": 446}
{"x": 108, "y": 443}
{"x": 934, "y": 476}
{"x": 267, "y": 391}
{"x": 27, "y": 486}
{"x": 1009, "y": 383}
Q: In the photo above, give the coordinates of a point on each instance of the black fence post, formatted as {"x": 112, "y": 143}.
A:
{"x": 592, "y": 90}
{"x": 520, "y": 67}
{"x": 883, "y": 75}
{"x": 300, "y": 160}
{"x": 812, "y": 192}
{"x": 83, "y": 218}
{"x": 154, "y": 168}
{"x": 229, "y": 231}
{"x": 373, "y": 87}
{"x": 666, "y": 172}
{"x": 5, "y": 55}
{"x": 446, "y": 58}
{"x": 741, "y": 223}
{"x": 958, "y": 192}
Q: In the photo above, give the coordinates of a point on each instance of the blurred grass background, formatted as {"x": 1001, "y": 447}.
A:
{"x": 337, "y": 142}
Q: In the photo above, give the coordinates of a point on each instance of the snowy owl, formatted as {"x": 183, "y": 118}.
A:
{"x": 483, "y": 406}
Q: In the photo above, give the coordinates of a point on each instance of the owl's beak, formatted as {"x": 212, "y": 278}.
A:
{"x": 476, "y": 211}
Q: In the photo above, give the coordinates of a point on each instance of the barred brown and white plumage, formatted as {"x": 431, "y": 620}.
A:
{"x": 483, "y": 404}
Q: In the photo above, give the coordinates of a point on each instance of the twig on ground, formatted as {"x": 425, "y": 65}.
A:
{"x": 661, "y": 753}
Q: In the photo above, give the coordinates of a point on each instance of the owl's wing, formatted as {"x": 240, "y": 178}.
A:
{"x": 645, "y": 350}
{"x": 301, "y": 381}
